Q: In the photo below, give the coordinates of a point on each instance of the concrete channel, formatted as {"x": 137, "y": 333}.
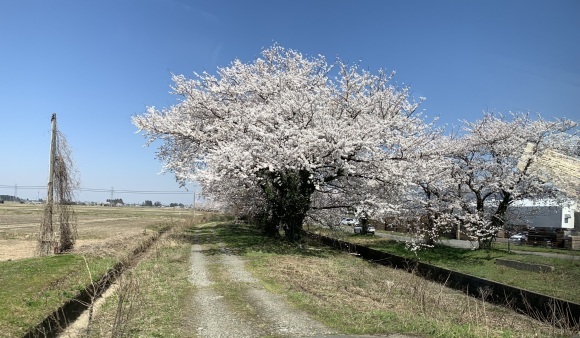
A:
{"x": 532, "y": 304}
{"x": 59, "y": 320}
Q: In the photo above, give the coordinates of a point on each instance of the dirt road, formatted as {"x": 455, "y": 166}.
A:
{"x": 250, "y": 312}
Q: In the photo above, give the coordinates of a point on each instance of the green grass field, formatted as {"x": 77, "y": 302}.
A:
{"x": 33, "y": 288}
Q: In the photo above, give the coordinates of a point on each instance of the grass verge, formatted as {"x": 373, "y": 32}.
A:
{"x": 561, "y": 283}
{"x": 151, "y": 301}
{"x": 357, "y": 297}
{"x": 31, "y": 289}
{"x": 531, "y": 248}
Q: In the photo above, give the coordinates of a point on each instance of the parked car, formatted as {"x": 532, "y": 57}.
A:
{"x": 349, "y": 221}
{"x": 358, "y": 229}
{"x": 519, "y": 237}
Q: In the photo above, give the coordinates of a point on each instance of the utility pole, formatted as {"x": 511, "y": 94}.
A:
{"x": 50, "y": 196}
{"x": 46, "y": 234}
{"x": 58, "y": 195}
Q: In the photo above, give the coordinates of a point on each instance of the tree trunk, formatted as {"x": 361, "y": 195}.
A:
{"x": 288, "y": 195}
{"x": 498, "y": 219}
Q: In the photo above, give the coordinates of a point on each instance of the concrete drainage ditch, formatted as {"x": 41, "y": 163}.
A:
{"x": 61, "y": 318}
{"x": 523, "y": 301}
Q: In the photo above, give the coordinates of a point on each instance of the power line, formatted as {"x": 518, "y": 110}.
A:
{"x": 23, "y": 186}
{"x": 103, "y": 190}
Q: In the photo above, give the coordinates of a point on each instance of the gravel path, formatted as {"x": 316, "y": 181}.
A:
{"x": 212, "y": 318}
{"x": 213, "y": 315}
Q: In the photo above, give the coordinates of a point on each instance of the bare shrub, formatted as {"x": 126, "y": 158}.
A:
{"x": 128, "y": 298}
{"x": 66, "y": 181}
{"x": 558, "y": 317}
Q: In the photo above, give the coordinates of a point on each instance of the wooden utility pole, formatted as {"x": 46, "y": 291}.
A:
{"x": 50, "y": 196}
{"x": 59, "y": 197}
{"x": 46, "y": 234}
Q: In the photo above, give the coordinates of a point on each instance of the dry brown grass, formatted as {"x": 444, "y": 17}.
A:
{"x": 104, "y": 231}
{"x": 150, "y": 300}
{"x": 362, "y": 298}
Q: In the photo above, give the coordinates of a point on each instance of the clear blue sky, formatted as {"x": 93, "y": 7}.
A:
{"x": 97, "y": 63}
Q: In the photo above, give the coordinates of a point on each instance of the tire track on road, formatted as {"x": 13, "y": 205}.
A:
{"x": 213, "y": 316}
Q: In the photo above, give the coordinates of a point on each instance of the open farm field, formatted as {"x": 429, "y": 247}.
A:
{"x": 101, "y": 230}
{"x": 33, "y": 287}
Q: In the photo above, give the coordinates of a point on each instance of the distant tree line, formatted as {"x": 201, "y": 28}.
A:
{"x": 149, "y": 203}
{"x": 116, "y": 201}
{"x": 10, "y": 198}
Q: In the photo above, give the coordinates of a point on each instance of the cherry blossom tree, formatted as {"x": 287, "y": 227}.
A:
{"x": 432, "y": 195}
{"x": 489, "y": 169}
{"x": 287, "y": 127}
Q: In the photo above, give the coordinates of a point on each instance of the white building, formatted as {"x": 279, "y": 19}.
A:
{"x": 564, "y": 172}
{"x": 545, "y": 214}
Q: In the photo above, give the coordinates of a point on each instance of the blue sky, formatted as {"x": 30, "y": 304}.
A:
{"x": 97, "y": 63}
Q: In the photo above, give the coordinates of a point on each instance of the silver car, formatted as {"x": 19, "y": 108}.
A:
{"x": 358, "y": 229}
{"x": 518, "y": 238}
{"x": 348, "y": 221}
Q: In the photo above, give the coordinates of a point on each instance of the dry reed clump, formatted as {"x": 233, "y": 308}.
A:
{"x": 368, "y": 288}
{"x": 113, "y": 315}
